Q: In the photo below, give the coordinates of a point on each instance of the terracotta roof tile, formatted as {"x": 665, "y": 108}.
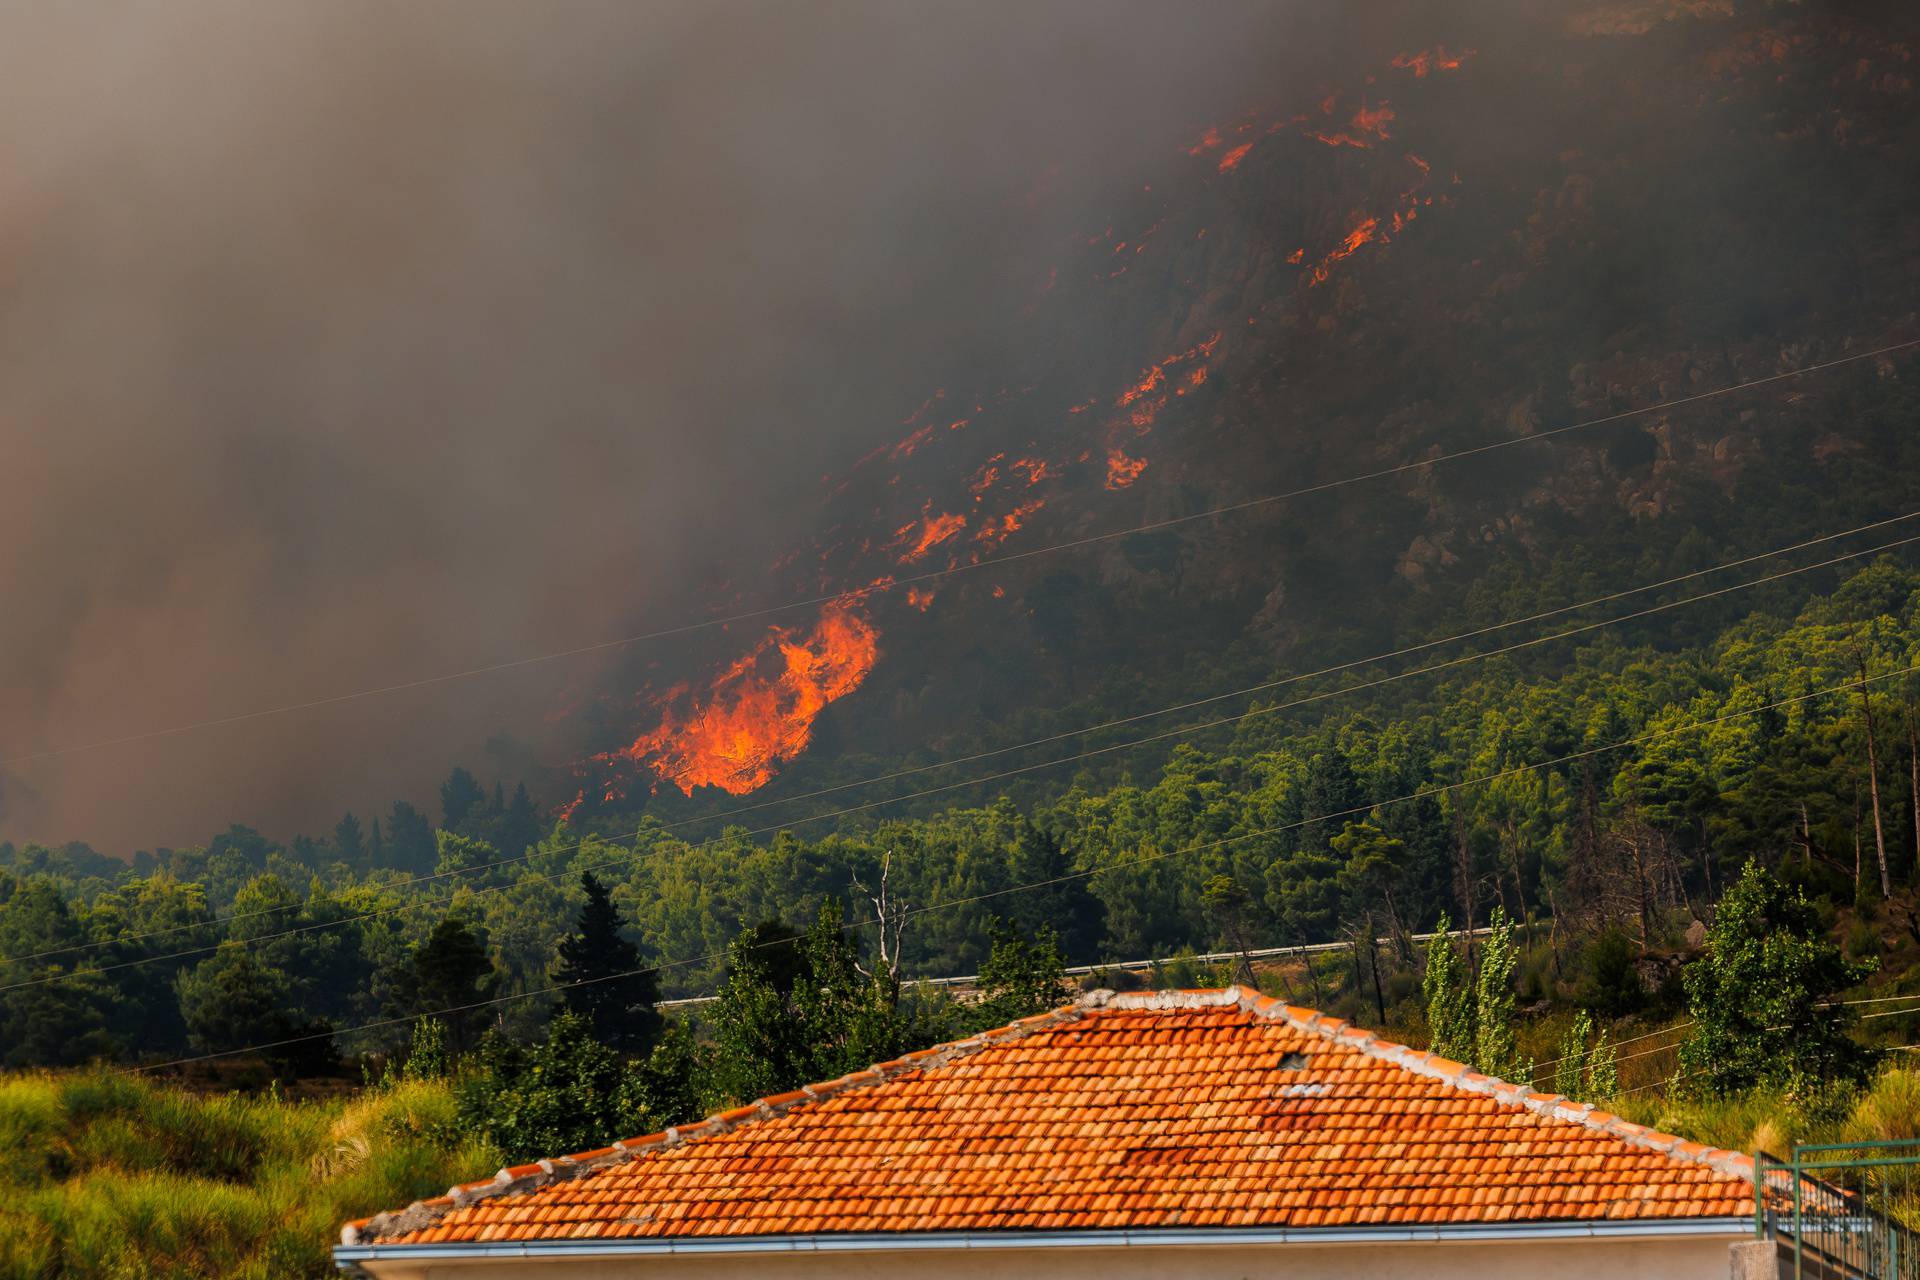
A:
{"x": 1138, "y": 1111}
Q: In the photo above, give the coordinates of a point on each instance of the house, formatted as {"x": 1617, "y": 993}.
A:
{"x": 1166, "y": 1134}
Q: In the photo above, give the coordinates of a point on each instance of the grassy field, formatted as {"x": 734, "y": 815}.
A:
{"x": 114, "y": 1176}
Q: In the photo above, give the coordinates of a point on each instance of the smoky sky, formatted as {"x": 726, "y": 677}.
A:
{"x": 343, "y": 344}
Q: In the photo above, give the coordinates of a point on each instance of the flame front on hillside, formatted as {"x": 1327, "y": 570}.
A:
{"x": 758, "y": 713}
{"x": 957, "y": 484}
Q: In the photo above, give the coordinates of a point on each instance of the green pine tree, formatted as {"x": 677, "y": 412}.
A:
{"x": 602, "y": 978}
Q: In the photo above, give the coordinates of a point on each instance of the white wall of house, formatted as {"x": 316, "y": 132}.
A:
{"x": 1667, "y": 1258}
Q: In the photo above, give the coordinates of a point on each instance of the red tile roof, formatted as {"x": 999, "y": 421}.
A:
{"x": 1185, "y": 1109}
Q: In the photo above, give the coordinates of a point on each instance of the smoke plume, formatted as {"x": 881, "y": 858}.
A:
{"x": 345, "y": 344}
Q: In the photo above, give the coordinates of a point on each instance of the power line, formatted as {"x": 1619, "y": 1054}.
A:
{"x": 1683, "y": 1026}
{"x": 1408, "y": 798}
{"x": 1865, "y": 1017}
{"x": 1540, "y": 1067}
{"x": 952, "y": 762}
{"x": 1090, "y": 753}
{"x": 749, "y": 615}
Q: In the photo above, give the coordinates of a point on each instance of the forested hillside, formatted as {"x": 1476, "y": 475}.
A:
{"x": 1588, "y": 783}
{"x": 1463, "y": 551}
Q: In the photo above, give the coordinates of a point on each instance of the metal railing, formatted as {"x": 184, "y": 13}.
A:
{"x": 1836, "y": 1210}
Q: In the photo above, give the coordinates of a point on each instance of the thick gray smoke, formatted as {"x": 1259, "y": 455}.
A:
{"x": 342, "y": 344}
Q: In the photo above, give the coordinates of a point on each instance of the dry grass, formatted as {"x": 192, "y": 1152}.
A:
{"x": 114, "y": 1176}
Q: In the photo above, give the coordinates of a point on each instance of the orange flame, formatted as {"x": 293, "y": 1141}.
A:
{"x": 919, "y": 598}
{"x": 1208, "y": 141}
{"x": 758, "y": 712}
{"x": 906, "y": 448}
{"x": 1232, "y": 159}
{"x": 1156, "y": 374}
{"x": 998, "y": 529}
{"x": 1368, "y": 126}
{"x": 1037, "y": 469}
{"x": 1434, "y": 59}
{"x": 932, "y": 531}
{"x": 1365, "y": 229}
{"x": 1122, "y": 470}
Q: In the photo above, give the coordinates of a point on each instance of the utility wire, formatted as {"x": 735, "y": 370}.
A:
{"x": 1668, "y": 1081}
{"x": 414, "y": 881}
{"x": 1539, "y": 1068}
{"x": 970, "y": 782}
{"x": 932, "y": 574}
{"x": 1124, "y": 864}
{"x": 1669, "y": 1048}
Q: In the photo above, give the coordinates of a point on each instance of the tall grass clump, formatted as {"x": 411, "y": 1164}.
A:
{"x": 113, "y": 1176}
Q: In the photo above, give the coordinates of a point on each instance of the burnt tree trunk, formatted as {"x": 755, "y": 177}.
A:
{"x": 1373, "y": 964}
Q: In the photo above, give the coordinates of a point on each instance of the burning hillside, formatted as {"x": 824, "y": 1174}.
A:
{"x": 757, "y": 713}
{"x": 968, "y": 476}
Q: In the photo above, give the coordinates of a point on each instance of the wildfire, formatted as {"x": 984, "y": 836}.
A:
{"x": 1368, "y": 228}
{"x": 1367, "y": 126}
{"x": 736, "y": 730}
{"x": 1365, "y": 230}
{"x": 1037, "y": 469}
{"x": 758, "y": 712}
{"x": 923, "y": 535}
{"x": 1122, "y": 470}
{"x": 998, "y": 529}
{"x": 1156, "y": 374}
{"x": 1434, "y": 59}
{"x": 909, "y": 446}
{"x": 1147, "y": 395}
{"x": 986, "y": 477}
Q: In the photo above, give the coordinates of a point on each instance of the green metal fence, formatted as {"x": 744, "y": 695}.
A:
{"x": 1839, "y": 1209}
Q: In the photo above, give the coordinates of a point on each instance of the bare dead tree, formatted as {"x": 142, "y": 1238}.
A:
{"x": 1873, "y": 772}
{"x": 1632, "y": 874}
{"x": 1857, "y": 864}
{"x": 1806, "y": 833}
{"x": 890, "y": 914}
{"x": 1913, "y": 782}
